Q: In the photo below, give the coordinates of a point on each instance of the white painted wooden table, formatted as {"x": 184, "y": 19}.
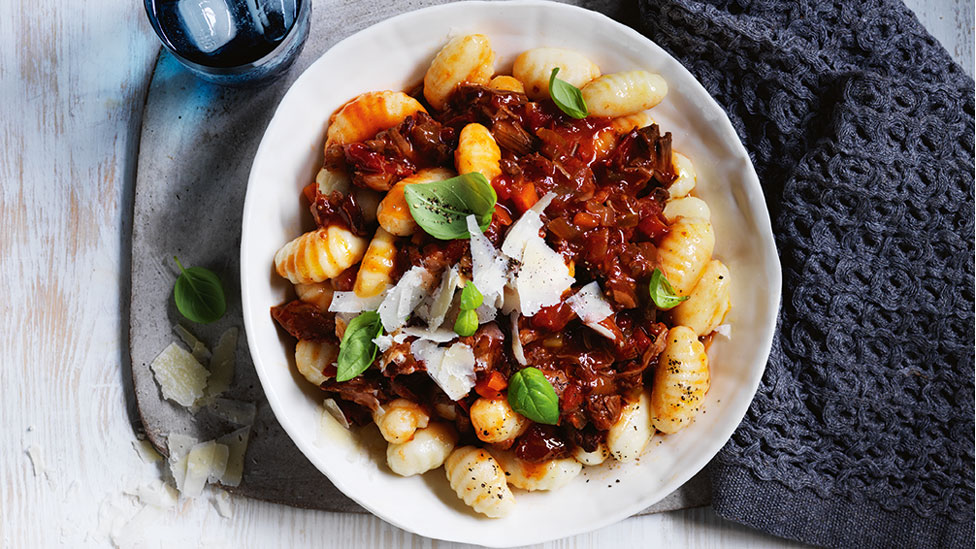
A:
{"x": 73, "y": 77}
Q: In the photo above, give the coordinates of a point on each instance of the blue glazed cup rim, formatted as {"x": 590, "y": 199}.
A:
{"x": 287, "y": 42}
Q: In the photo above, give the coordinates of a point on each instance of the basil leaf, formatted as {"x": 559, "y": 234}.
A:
{"x": 466, "y": 323}
{"x": 471, "y": 297}
{"x": 531, "y": 394}
{"x": 441, "y": 207}
{"x": 566, "y": 96}
{"x": 662, "y": 294}
{"x": 357, "y": 350}
{"x": 198, "y": 294}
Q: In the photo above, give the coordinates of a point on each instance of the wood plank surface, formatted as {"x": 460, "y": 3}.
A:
{"x": 73, "y": 78}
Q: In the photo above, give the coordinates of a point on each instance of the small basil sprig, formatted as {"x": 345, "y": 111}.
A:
{"x": 531, "y": 394}
{"x": 467, "y": 321}
{"x": 662, "y": 294}
{"x": 441, "y": 207}
{"x": 357, "y": 350}
{"x": 471, "y": 297}
{"x": 198, "y": 294}
{"x": 566, "y": 96}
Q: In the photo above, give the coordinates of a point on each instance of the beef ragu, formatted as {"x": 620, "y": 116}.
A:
{"x": 603, "y": 190}
{"x": 606, "y": 225}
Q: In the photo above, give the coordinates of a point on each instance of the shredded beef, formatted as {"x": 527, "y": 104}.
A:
{"x": 305, "y": 321}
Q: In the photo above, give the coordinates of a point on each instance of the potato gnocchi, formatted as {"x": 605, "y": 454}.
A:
{"x": 586, "y": 206}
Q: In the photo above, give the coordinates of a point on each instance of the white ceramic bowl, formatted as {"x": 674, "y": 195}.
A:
{"x": 394, "y": 55}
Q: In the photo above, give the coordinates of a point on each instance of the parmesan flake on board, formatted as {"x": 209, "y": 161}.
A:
{"x": 206, "y": 462}
{"x": 236, "y": 443}
{"x": 181, "y": 377}
{"x": 179, "y": 447}
{"x": 222, "y": 364}
{"x": 197, "y": 348}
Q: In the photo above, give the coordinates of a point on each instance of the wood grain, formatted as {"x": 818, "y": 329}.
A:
{"x": 72, "y": 84}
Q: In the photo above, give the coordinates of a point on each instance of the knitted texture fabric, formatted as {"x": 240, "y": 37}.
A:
{"x": 861, "y": 129}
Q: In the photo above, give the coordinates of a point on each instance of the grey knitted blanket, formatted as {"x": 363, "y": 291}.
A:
{"x": 861, "y": 129}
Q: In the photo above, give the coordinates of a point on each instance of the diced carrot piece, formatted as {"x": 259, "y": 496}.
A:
{"x": 309, "y": 192}
{"x": 525, "y": 198}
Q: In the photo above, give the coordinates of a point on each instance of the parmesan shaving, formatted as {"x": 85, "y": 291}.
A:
{"x": 332, "y": 407}
{"x": 602, "y": 330}
{"x": 489, "y": 268}
{"x": 197, "y": 348}
{"x": 403, "y": 298}
{"x": 452, "y": 368}
{"x": 442, "y": 300}
{"x": 179, "y": 447}
{"x": 724, "y": 330}
{"x": 222, "y": 364}
{"x": 590, "y": 305}
{"x": 223, "y": 503}
{"x": 525, "y": 229}
{"x": 543, "y": 275}
{"x": 441, "y": 335}
{"x": 206, "y": 461}
{"x": 234, "y": 411}
{"x": 146, "y": 452}
{"x": 383, "y": 342}
{"x": 236, "y": 443}
{"x": 543, "y": 278}
{"x": 180, "y": 376}
{"x": 517, "y": 350}
{"x": 157, "y": 494}
{"x": 349, "y": 302}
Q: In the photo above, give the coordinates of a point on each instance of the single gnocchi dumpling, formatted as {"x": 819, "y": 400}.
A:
{"x": 624, "y": 93}
{"x": 319, "y": 255}
{"x": 494, "y": 420}
{"x": 685, "y": 251}
{"x": 368, "y": 114}
{"x": 590, "y": 459}
{"x": 393, "y": 213}
{"x": 626, "y": 124}
{"x": 316, "y": 293}
{"x": 313, "y": 357}
{"x": 479, "y": 481}
{"x": 680, "y": 381}
{"x": 369, "y": 202}
{"x": 688, "y": 206}
{"x": 477, "y": 152}
{"x": 708, "y": 303}
{"x": 685, "y": 171}
{"x": 427, "y": 450}
{"x": 534, "y": 67}
{"x": 506, "y": 83}
{"x": 464, "y": 59}
{"x": 375, "y": 272}
{"x": 399, "y": 419}
{"x": 548, "y": 475}
{"x": 331, "y": 181}
{"x": 628, "y": 437}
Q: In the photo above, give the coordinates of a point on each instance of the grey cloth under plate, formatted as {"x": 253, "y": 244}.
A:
{"x": 861, "y": 129}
